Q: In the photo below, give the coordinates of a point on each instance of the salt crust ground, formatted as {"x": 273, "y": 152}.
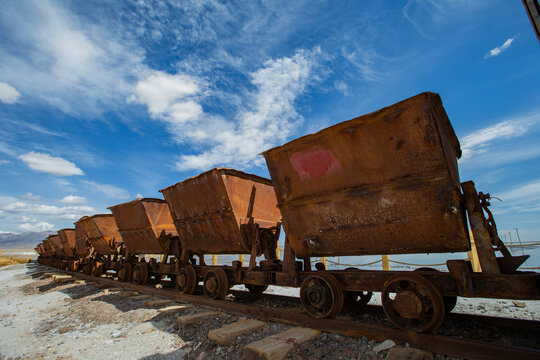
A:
{"x": 36, "y": 323}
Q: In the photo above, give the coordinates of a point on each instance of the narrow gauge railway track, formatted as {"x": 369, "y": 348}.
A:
{"x": 436, "y": 343}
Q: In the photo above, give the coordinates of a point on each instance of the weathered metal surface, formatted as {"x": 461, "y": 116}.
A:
{"x": 67, "y": 238}
{"x": 145, "y": 225}
{"x": 56, "y": 244}
{"x": 81, "y": 245}
{"x": 101, "y": 233}
{"x": 49, "y": 250}
{"x": 382, "y": 183}
{"x": 209, "y": 209}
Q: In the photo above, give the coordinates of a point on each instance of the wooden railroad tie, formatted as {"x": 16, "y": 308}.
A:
{"x": 127, "y": 293}
{"x": 111, "y": 290}
{"x": 158, "y": 302}
{"x": 186, "y": 320}
{"x": 276, "y": 347}
{"x": 226, "y": 334}
{"x": 173, "y": 308}
{"x": 141, "y": 297}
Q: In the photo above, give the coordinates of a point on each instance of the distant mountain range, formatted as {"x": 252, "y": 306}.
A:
{"x": 27, "y": 239}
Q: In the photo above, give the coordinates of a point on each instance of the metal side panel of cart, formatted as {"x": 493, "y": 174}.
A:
{"x": 382, "y": 183}
{"x": 144, "y": 224}
{"x": 101, "y": 233}
{"x": 55, "y": 242}
{"x": 81, "y": 246}
{"x": 209, "y": 209}
{"x": 67, "y": 238}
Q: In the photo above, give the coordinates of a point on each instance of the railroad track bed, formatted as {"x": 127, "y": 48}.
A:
{"x": 133, "y": 314}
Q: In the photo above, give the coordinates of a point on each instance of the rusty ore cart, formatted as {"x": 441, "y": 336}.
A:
{"x": 225, "y": 211}
{"x": 67, "y": 239}
{"x": 58, "y": 256}
{"x": 105, "y": 241}
{"x": 146, "y": 227}
{"x": 388, "y": 183}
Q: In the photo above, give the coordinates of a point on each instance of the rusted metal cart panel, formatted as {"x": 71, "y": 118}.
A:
{"x": 382, "y": 183}
{"x": 101, "y": 233}
{"x": 67, "y": 238}
{"x": 49, "y": 250}
{"x": 56, "y": 244}
{"x": 145, "y": 225}
{"x": 81, "y": 244}
{"x": 209, "y": 209}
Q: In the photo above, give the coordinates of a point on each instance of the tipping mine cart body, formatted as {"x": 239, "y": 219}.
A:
{"x": 56, "y": 244}
{"x": 382, "y": 183}
{"x": 214, "y": 211}
{"x": 146, "y": 225}
{"x": 106, "y": 243}
{"x": 67, "y": 238}
{"x": 101, "y": 233}
{"x": 82, "y": 247}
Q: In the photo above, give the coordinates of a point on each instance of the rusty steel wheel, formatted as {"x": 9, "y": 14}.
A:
{"x": 216, "y": 284}
{"x": 140, "y": 274}
{"x": 186, "y": 280}
{"x": 413, "y": 303}
{"x": 124, "y": 273}
{"x": 256, "y": 289}
{"x": 449, "y": 301}
{"x": 322, "y": 296}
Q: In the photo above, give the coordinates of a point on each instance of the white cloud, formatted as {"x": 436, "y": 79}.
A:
{"x": 73, "y": 199}
{"x": 160, "y": 90}
{"x": 50, "y": 164}
{"x": 59, "y": 57}
{"x": 139, "y": 196}
{"x": 108, "y": 190}
{"x": 4, "y": 162}
{"x": 59, "y": 212}
{"x": 269, "y": 118}
{"x": 529, "y": 192}
{"x": 8, "y": 94}
{"x": 482, "y": 140}
{"x": 31, "y": 197}
{"x": 39, "y": 226}
{"x": 496, "y": 51}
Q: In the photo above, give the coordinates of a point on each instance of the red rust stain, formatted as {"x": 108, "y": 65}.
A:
{"x": 314, "y": 164}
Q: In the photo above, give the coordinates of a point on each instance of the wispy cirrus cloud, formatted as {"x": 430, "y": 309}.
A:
{"x": 36, "y": 226}
{"x": 49, "y": 211}
{"x": 488, "y": 139}
{"x": 111, "y": 191}
{"x": 50, "y": 164}
{"x": 8, "y": 94}
{"x": 268, "y": 118}
{"x": 499, "y": 49}
{"x": 73, "y": 199}
{"x": 54, "y": 55}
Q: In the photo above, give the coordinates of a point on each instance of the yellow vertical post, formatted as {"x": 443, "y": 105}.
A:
{"x": 278, "y": 251}
{"x": 385, "y": 263}
{"x": 323, "y": 260}
{"x": 214, "y": 259}
{"x": 241, "y": 259}
{"x": 473, "y": 255}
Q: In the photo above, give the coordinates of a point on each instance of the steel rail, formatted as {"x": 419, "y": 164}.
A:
{"x": 436, "y": 343}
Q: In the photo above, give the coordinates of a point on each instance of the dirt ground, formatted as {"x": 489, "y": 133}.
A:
{"x": 41, "y": 319}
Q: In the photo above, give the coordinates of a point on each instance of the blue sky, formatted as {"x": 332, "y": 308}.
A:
{"x": 103, "y": 101}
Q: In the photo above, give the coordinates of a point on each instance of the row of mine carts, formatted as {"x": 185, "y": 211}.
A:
{"x": 383, "y": 183}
